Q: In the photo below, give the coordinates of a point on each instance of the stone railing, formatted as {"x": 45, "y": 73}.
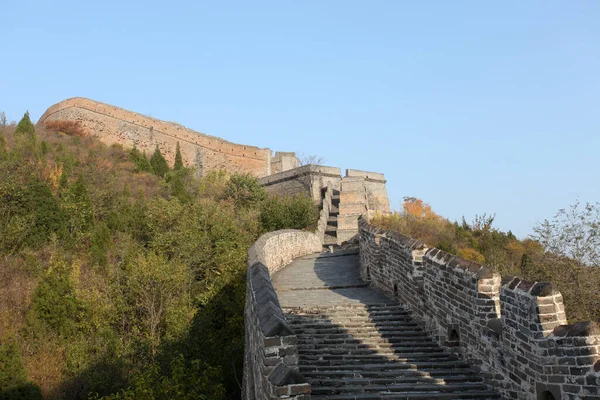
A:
{"x": 514, "y": 331}
{"x": 271, "y": 353}
{"x": 324, "y": 214}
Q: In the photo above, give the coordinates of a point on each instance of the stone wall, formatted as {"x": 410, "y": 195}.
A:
{"x": 515, "y": 332}
{"x": 376, "y": 193}
{"x": 308, "y": 179}
{"x": 116, "y": 125}
{"x": 324, "y": 213}
{"x": 271, "y": 353}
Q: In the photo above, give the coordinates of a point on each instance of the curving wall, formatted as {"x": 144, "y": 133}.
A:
{"x": 514, "y": 331}
{"x": 116, "y": 125}
{"x": 271, "y": 353}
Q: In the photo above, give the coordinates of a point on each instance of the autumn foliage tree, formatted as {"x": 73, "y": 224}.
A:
{"x": 558, "y": 252}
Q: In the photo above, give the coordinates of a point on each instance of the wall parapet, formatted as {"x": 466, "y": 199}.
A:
{"x": 514, "y": 331}
{"x": 271, "y": 353}
{"x": 307, "y": 180}
{"x": 324, "y": 213}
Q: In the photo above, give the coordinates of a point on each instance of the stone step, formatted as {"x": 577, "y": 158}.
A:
{"x": 393, "y": 380}
{"x": 331, "y": 230}
{"x": 390, "y": 337}
{"x": 351, "y": 359}
{"x": 472, "y": 394}
{"x": 388, "y": 353}
{"x": 369, "y": 342}
{"x": 388, "y": 366}
{"x": 352, "y": 320}
{"x": 402, "y": 388}
{"x": 329, "y": 240}
{"x": 398, "y": 348}
{"x": 439, "y": 373}
{"x": 382, "y": 329}
{"x": 347, "y": 307}
{"x": 372, "y": 317}
{"x": 356, "y": 325}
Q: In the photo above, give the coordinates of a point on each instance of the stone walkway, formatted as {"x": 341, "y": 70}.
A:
{"x": 354, "y": 343}
{"x": 325, "y": 279}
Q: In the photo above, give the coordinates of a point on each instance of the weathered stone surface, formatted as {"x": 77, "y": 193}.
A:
{"x": 514, "y": 329}
{"x": 271, "y": 353}
{"x": 204, "y": 152}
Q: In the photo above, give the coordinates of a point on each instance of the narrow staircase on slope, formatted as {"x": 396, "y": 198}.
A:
{"x": 330, "y": 238}
{"x": 377, "y": 351}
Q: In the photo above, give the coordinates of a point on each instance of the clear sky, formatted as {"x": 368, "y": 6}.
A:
{"x": 473, "y": 106}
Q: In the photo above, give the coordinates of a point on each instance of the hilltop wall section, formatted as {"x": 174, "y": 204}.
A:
{"x": 514, "y": 331}
{"x": 115, "y": 125}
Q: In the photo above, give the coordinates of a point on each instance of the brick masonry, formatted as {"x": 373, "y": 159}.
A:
{"x": 515, "y": 332}
{"x": 204, "y": 152}
{"x": 271, "y": 353}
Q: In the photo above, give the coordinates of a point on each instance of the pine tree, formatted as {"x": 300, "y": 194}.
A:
{"x": 25, "y": 126}
{"x": 158, "y": 163}
{"x": 2, "y": 143}
{"x": 178, "y": 165}
{"x": 140, "y": 160}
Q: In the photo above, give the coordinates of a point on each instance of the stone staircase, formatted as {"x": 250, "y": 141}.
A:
{"x": 377, "y": 351}
{"x": 330, "y": 238}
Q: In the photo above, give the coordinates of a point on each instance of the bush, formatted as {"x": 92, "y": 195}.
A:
{"x": 245, "y": 191}
{"x": 54, "y": 303}
{"x": 13, "y": 376}
{"x": 296, "y": 212}
{"x": 140, "y": 160}
{"x": 72, "y": 128}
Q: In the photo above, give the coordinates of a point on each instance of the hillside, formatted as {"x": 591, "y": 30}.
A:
{"x": 545, "y": 257}
{"x": 122, "y": 275}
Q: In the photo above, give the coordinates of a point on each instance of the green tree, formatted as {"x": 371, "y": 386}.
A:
{"x": 245, "y": 191}
{"x": 178, "y": 165}
{"x": 140, "y": 160}
{"x": 25, "y": 126}
{"x": 158, "y": 163}
{"x": 2, "y": 144}
{"x": 13, "y": 376}
{"x": 54, "y": 303}
{"x": 78, "y": 204}
{"x": 157, "y": 285}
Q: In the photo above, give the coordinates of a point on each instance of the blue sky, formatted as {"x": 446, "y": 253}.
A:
{"x": 472, "y": 106}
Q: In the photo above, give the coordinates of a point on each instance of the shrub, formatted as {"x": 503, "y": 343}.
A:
{"x": 140, "y": 160}
{"x": 54, "y": 303}
{"x": 288, "y": 212}
{"x": 72, "y": 128}
{"x": 13, "y": 376}
{"x": 244, "y": 190}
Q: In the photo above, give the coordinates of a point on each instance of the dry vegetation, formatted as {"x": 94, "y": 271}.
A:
{"x": 72, "y": 128}
{"x": 90, "y": 235}
{"x": 529, "y": 258}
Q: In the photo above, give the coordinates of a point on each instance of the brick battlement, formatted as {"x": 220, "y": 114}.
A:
{"x": 513, "y": 330}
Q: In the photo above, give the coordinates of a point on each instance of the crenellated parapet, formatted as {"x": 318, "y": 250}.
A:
{"x": 515, "y": 332}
